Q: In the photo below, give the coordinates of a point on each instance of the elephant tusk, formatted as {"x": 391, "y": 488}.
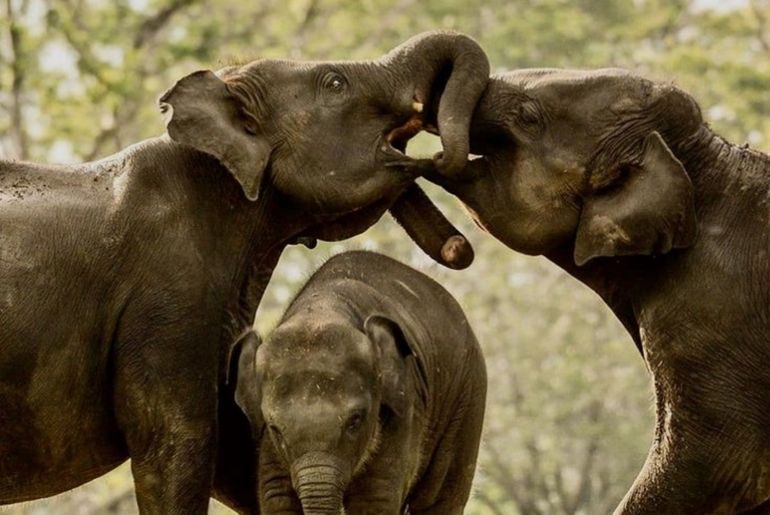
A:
{"x": 417, "y": 106}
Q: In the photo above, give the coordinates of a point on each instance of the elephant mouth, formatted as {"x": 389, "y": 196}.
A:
{"x": 394, "y": 140}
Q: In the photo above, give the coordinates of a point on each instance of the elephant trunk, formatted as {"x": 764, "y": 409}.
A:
{"x": 453, "y": 68}
{"x": 320, "y": 483}
{"x": 432, "y": 232}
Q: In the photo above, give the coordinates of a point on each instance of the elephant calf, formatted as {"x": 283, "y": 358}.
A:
{"x": 372, "y": 389}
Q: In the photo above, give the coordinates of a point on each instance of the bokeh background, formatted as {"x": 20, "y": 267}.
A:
{"x": 569, "y": 410}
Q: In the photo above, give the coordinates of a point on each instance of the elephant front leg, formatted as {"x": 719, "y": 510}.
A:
{"x": 235, "y": 479}
{"x": 166, "y": 406}
{"x": 704, "y": 460}
{"x": 368, "y": 495}
{"x": 669, "y": 486}
{"x": 276, "y": 494}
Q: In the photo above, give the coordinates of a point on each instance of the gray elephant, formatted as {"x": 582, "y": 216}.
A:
{"x": 124, "y": 282}
{"x": 372, "y": 389}
{"x": 619, "y": 181}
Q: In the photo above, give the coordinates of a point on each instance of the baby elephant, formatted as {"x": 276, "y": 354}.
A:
{"x": 372, "y": 390}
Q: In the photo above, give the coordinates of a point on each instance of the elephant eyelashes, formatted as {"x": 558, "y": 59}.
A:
{"x": 334, "y": 82}
{"x": 528, "y": 117}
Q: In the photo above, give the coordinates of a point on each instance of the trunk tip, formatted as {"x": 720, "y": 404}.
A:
{"x": 457, "y": 252}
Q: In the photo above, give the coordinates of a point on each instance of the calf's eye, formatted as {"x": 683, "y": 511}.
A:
{"x": 354, "y": 422}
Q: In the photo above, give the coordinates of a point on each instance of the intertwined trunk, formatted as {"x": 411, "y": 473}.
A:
{"x": 452, "y": 70}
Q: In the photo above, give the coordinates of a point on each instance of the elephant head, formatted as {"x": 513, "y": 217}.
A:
{"x": 581, "y": 163}
{"x": 324, "y": 133}
{"x": 323, "y": 389}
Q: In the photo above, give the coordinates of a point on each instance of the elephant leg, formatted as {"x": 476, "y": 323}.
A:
{"x": 235, "y": 478}
{"x": 166, "y": 406}
{"x": 446, "y": 485}
{"x": 432, "y": 232}
{"x": 376, "y": 495}
{"x": 704, "y": 459}
{"x": 276, "y": 494}
{"x": 762, "y": 509}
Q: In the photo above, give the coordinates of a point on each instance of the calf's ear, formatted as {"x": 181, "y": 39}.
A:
{"x": 209, "y": 117}
{"x": 243, "y": 372}
{"x": 393, "y": 350}
{"x": 648, "y": 208}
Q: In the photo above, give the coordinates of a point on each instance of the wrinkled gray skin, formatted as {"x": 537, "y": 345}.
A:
{"x": 620, "y": 182}
{"x": 372, "y": 388}
{"x": 124, "y": 282}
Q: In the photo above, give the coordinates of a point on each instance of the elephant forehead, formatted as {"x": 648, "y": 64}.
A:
{"x": 310, "y": 348}
{"x": 536, "y": 77}
{"x": 277, "y": 70}
{"x": 313, "y": 332}
{"x": 602, "y": 88}
{"x": 314, "y": 382}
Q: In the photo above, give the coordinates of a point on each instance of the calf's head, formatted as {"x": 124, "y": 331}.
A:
{"x": 323, "y": 390}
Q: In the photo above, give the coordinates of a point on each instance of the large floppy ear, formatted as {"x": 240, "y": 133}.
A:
{"x": 208, "y": 117}
{"x": 243, "y": 372}
{"x": 394, "y": 350}
{"x": 647, "y": 209}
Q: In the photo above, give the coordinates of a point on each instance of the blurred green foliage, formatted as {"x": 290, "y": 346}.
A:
{"x": 570, "y": 412}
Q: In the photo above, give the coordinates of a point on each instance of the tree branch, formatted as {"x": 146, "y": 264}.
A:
{"x": 141, "y": 41}
{"x": 114, "y": 504}
{"x": 300, "y": 34}
{"x": 18, "y": 129}
{"x": 503, "y": 476}
{"x": 482, "y": 497}
{"x": 583, "y": 493}
{"x": 761, "y": 16}
{"x": 153, "y": 24}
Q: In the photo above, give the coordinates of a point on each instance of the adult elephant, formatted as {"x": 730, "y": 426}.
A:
{"x": 124, "y": 281}
{"x": 619, "y": 181}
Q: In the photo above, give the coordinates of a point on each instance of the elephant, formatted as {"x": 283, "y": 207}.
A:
{"x": 619, "y": 181}
{"x": 124, "y": 282}
{"x": 372, "y": 389}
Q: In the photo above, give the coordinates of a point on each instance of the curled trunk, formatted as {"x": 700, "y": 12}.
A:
{"x": 453, "y": 70}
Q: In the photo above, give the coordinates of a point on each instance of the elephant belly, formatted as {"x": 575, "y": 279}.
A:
{"x": 47, "y": 449}
{"x": 57, "y": 427}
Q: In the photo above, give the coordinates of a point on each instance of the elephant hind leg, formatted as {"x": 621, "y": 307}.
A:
{"x": 446, "y": 485}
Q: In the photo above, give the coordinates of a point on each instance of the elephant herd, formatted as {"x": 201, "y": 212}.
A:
{"x": 128, "y": 286}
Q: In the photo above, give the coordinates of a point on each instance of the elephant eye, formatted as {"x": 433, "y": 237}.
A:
{"x": 354, "y": 422}
{"x": 528, "y": 114}
{"x": 334, "y": 82}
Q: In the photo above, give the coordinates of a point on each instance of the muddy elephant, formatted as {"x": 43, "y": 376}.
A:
{"x": 123, "y": 282}
{"x": 618, "y": 180}
{"x": 372, "y": 389}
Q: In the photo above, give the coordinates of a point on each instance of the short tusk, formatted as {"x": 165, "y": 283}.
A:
{"x": 417, "y": 106}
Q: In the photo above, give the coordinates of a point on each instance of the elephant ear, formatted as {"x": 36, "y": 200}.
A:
{"x": 649, "y": 209}
{"x": 394, "y": 351}
{"x": 208, "y": 117}
{"x": 243, "y": 371}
